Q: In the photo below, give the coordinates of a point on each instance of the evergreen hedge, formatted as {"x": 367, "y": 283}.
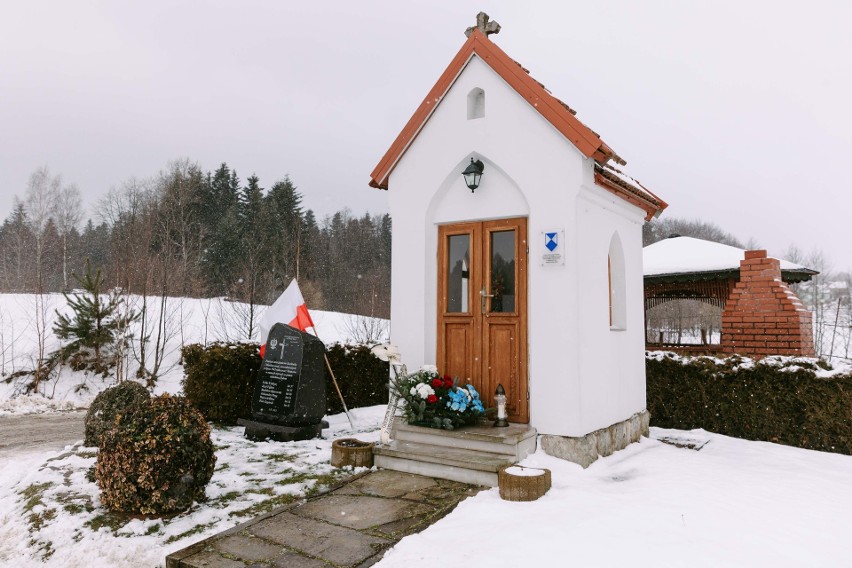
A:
{"x": 219, "y": 378}
{"x": 775, "y": 400}
{"x": 362, "y": 377}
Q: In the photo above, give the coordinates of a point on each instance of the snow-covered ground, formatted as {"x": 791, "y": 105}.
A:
{"x": 51, "y": 516}
{"x": 730, "y": 503}
{"x": 677, "y": 499}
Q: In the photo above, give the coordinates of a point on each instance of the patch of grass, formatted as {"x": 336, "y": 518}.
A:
{"x": 194, "y": 530}
{"x": 38, "y": 520}
{"x": 323, "y": 480}
{"x": 265, "y": 506}
{"x": 87, "y": 454}
{"x": 33, "y": 494}
{"x": 229, "y": 496}
{"x": 224, "y": 467}
{"x": 281, "y": 457}
{"x": 75, "y": 503}
{"x": 44, "y": 547}
{"x": 112, "y": 521}
{"x": 154, "y": 529}
{"x": 262, "y": 491}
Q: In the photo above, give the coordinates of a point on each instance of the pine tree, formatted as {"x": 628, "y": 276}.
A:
{"x": 284, "y": 223}
{"x": 95, "y": 327}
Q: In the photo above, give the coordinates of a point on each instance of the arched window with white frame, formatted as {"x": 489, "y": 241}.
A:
{"x": 616, "y": 284}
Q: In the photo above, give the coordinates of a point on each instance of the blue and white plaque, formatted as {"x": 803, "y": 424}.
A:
{"x": 552, "y": 248}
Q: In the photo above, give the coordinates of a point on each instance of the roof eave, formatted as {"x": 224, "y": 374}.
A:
{"x": 381, "y": 173}
{"x": 790, "y": 276}
{"x": 651, "y": 206}
{"x": 548, "y": 106}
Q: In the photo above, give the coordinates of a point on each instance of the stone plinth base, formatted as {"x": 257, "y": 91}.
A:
{"x": 586, "y": 449}
{"x": 263, "y": 431}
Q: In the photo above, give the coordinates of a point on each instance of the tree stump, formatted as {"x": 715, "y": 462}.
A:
{"x": 519, "y": 483}
{"x": 351, "y": 452}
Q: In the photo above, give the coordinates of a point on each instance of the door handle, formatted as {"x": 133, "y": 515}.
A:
{"x": 483, "y": 295}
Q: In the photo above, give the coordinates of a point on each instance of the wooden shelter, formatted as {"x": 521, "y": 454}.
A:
{"x": 750, "y": 309}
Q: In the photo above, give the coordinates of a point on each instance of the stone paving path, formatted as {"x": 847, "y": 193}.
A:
{"x": 351, "y": 525}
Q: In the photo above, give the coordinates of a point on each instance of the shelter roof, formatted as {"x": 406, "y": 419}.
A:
{"x": 556, "y": 112}
{"x": 688, "y": 258}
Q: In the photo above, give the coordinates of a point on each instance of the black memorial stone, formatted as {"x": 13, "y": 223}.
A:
{"x": 289, "y": 393}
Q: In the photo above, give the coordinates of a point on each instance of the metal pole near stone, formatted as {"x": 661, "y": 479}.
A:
{"x": 340, "y": 394}
{"x": 334, "y": 381}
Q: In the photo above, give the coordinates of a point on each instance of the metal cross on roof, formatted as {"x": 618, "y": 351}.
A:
{"x": 483, "y": 25}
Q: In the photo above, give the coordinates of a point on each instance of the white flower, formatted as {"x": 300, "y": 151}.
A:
{"x": 424, "y": 390}
{"x": 413, "y": 391}
{"x": 431, "y": 369}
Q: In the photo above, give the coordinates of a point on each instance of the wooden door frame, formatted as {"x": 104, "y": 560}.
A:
{"x": 480, "y": 245}
{"x": 473, "y": 229}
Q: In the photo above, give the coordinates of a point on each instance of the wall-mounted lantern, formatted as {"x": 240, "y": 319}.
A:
{"x": 472, "y": 174}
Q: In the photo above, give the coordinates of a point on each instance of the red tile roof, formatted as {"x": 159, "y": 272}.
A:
{"x": 559, "y": 114}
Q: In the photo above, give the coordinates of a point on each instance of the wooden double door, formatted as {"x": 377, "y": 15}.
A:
{"x": 482, "y": 309}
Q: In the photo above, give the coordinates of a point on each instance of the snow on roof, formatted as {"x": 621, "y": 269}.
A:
{"x": 633, "y": 186}
{"x": 685, "y": 255}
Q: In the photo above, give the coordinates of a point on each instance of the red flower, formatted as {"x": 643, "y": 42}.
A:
{"x": 437, "y": 383}
{"x": 448, "y": 381}
{"x": 431, "y": 399}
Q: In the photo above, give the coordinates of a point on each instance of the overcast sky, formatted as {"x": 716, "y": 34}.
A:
{"x": 735, "y": 112}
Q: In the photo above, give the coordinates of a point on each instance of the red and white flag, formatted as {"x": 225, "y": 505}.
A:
{"x": 289, "y": 308}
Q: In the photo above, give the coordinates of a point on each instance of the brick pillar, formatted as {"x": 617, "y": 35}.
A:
{"x": 762, "y": 315}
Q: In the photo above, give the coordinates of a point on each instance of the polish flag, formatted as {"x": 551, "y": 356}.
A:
{"x": 289, "y": 308}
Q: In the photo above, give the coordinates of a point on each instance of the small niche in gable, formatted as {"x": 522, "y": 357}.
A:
{"x": 475, "y": 103}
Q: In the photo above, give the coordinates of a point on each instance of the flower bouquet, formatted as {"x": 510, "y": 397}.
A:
{"x": 437, "y": 401}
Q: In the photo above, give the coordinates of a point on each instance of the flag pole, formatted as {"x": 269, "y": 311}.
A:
{"x": 302, "y": 321}
{"x": 334, "y": 380}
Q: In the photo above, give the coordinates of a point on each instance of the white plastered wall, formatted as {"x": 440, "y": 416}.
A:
{"x": 531, "y": 170}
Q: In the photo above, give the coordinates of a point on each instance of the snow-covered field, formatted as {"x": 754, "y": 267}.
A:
{"x": 186, "y": 321}
{"x": 677, "y": 499}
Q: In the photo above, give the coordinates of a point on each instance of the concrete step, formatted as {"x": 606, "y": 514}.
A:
{"x": 445, "y": 462}
{"x": 516, "y": 440}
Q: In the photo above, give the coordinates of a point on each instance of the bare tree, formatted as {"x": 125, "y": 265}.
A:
{"x": 41, "y": 199}
{"x": 366, "y": 330}
{"x": 670, "y": 226}
{"x": 816, "y": 293}
{"x": 179, "y": 232}
{"x": 68, "y": 213}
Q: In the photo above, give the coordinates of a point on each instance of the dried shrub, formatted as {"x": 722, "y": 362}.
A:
{"x": 219, "y": 379}
{"x": 768, "y": 401}
{"x": 108, "y": 405}
{"x": 157, "y": 459}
